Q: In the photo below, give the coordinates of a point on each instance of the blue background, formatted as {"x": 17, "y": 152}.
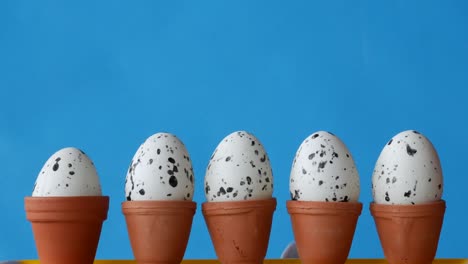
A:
{"x": 105, "y": 75}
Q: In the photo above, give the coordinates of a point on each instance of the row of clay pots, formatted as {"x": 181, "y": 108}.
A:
{"x": 67, "y": 229}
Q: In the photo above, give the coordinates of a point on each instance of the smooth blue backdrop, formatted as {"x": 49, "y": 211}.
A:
{"x": 105, "y": 75}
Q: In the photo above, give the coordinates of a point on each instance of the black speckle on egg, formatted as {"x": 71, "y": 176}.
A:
{"x": 321, "y": 165}
{"x": 408, "y": 193}
{"x": 173, "y": 181}
{"x": 390, "y": 142}
{"x": 69, "y": 165}
{"x": 296, "y": 195}
{"x": 315, "y": 136}
{"x": 267, "y": 179}
{"x": 71, "y": 173}
{"x": 66, "y": 185}
{"x": 228, "y": 159}
{"x": 320, "y": 182}
{"x": 229, "y": 189}
{"x": 235, "y": 194}
{"x": 429, "y": 180}
{"x": 439, "y": 186}
{"x": 55, "y": 167}
{"x": 304, "y": 171}
{"x": 171, "y": 160}
{"x": 207, "y": 189}
{"x": 221, "y": 191}
{"x": 394, "y": 179}
{"x": 252, "y": 164}
{"x": 142, "y": 192}
{"x": 311, "y": 156}
{"x": 253, "y": 143}
{"x": 175, "y": 169}
{"x": 387, "y": 198}
{"x": 249, "y": 180}
{"x": 169, "y": 195}
{"x": 416, "y": 132}
{"x": 158, "y": 151}
{"x": 388, "y": 180}
{"x": 410, "y": 150}
{"x": 242, "y": 183}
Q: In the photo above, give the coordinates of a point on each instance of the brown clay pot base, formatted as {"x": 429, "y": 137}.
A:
{"x": 323, "y": 230}
{"x": 409, "y": 234}
{"x": 159, "y": 230}
{"x": 66, "y": 229}
{"x": 240, "y": 231}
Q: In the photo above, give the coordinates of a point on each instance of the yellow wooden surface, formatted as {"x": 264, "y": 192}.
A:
{"x": 267, "y": 261}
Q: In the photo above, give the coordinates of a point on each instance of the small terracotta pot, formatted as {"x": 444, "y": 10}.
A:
{"x": 66, "y": 229}
{"x": 240, "y": 230}
{"x": 323, "y": 231}
{"x": 159, "y": 230}
{"x": 409, "y": 233}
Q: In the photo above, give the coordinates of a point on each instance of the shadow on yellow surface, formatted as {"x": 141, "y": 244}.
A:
{"x": 267, "y": 261}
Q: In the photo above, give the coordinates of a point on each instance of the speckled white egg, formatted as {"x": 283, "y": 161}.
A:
{"x": 239, "y": 169}
{"x": 160, "y": 170}
{"x": 68, "y": 172}
{"x": 323, "y": 170}
{"x": 408, "y": 171}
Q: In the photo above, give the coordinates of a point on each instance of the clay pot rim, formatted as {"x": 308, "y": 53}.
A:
{"x": 319, "y": 207}
{"x": 232, "y": 207}
{"x": 408, "y": 210}
{"x": 63, "y": 202}
{"x": 66, "y": 208}
{"x": 151, "y": 207}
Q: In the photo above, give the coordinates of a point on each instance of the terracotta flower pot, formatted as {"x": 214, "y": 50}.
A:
{"x": 240, "y": 230}
{"x": 66, "y": 229}
{"x": 323, "y": 231}
{"x": 409, "y": 233}
{"x": 159, "y": 230}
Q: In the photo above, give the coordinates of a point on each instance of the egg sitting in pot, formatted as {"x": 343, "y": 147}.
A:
{"x": 324, "y": 170}
{"x": 68, "y": 172}
{"x": 407, "y": 171}
{"x": 161, "y": 169}
{"x": 239, "y": 169}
